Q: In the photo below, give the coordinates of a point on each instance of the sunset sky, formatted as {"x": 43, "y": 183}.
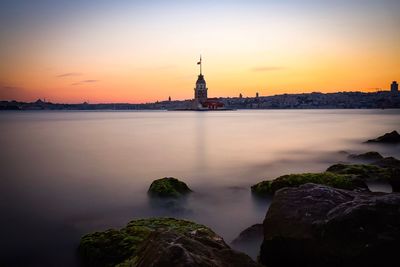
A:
{"x": 141, "y": 51}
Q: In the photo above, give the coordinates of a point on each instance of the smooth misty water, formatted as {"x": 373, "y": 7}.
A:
{"x": 64, "y": 174}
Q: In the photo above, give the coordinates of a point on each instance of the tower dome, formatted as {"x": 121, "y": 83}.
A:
{"x": 200, "y": 81}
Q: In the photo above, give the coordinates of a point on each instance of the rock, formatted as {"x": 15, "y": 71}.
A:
{"x": 392, "y": 137}
{"x": 389, "y": 162}
{"x": 369, "y": 156}
{"x": 361, "y": 171}
{"x": 266, "y": 188}
{"x": 394, "y": 165}
{"x": 111, "y": 247}
{"x": 372, "y": 172}
{"x": 168, "y": 187}
{"x": 249, "y": 240}
{"x": 197, "y": 248}
{"x": 316, "y": 225}
{"x": 249, "y": 234}
{"x": 158, "y": 242}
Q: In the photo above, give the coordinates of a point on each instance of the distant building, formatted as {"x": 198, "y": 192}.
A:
{"x": 257, "y": 95}
{"x": 200, "y": 91}
{"x": 201, "y": 100}
{"x": 240, "y": 95}
{"x": 169, "y": 99}
{"x": 394, "y": 87}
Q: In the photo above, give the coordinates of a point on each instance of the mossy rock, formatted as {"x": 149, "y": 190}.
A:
{"x": 388, "y": 162}
{"x": 389, "y": 138}
{"x": 368, "y": 156}
{"x": 168, "y": 187}
{"x": 119, "y": 247}
{"x": 362, "y": 171}
{"x": 266, "y": 188}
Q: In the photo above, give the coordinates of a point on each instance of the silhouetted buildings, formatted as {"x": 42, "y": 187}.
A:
{"x": 394, "y": 87}
{"x": 340, "y": 100}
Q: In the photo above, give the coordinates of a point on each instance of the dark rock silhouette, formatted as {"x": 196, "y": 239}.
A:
{"x": 392, "y": 137}
{"x": 368, "y": 156}
{"x": 389, "y": 162}
{"x": 317, "y": 225}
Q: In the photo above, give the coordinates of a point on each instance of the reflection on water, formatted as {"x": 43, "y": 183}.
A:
{"x": 67, "y": 173}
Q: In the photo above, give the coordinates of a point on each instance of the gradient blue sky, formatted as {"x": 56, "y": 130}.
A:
{"x": 135, "y": 51}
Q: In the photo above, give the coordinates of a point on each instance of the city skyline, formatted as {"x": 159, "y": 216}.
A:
{"x": 144, "y": 51}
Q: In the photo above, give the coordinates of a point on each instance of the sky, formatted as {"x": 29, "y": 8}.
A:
{"x": 131, "y": 51}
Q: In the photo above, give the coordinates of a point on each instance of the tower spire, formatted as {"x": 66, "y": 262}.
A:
{"x": 199, "y": 63}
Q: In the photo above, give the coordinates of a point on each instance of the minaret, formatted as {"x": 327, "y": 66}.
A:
{"x": 200, "y": 92}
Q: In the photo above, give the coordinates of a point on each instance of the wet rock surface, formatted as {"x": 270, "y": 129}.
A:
{"x": 169, "y": 248}
{"x": 159, "y": 242}
{"x": 317, "y": 225}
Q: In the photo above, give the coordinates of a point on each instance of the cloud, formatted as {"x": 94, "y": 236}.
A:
{"x": 85, "y": 81}
{"x": 10, "y": 88}
{"x": 266, "y": 68}
{"x": 69, "y": 74}
{"x": 8, "y": 92}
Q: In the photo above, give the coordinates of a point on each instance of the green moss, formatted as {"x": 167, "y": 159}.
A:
{"x": 168, "y": 187}
{"x": 362, "y": 171}
{"x": 106, "y": 248}
{"x": 262, "y": 188}
{"x": 266, "y": 188}
{"x": 119, "y": 247}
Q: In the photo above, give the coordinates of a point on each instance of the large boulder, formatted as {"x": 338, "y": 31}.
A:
{"x": 316, "y": 225}
{"x": 198, "y": 248}
{"x": 266, "y": 188}
{"x": 152, "y": 242}
{"x": 390, "y": 138}
{"x": 168, "y": 187}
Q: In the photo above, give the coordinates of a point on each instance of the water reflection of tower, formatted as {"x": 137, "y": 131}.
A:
{"x": 201, "y": 144}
